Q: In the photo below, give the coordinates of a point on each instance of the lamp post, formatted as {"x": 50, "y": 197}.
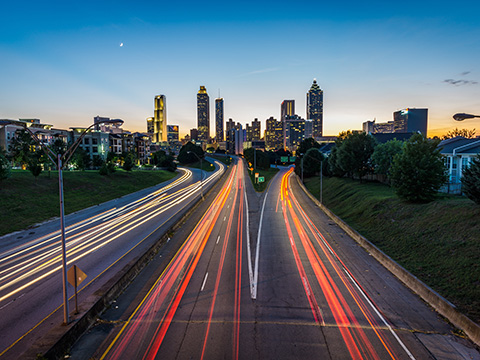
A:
{"x": 201, "y": 171}
{"x": 463, "y": 116}
{"x": 60, "y": 161}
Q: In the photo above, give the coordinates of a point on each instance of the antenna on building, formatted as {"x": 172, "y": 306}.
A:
{"x": 219, "y": 93}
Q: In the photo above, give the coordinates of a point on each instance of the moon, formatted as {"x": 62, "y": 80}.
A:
{"x": 121, "y": 44}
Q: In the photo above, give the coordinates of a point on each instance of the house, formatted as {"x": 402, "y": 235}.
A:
{"x": 458, "y": 152}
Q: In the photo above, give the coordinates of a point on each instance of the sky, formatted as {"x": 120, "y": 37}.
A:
{"x": 65, "y": 62}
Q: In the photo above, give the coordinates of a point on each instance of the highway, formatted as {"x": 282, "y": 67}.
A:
{"x": 100, "y": 241}
{"x": 271, "y": 277}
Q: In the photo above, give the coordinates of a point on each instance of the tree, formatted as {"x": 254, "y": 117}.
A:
{"x": 161, "y": 159}
{"x": 312, "y": 160}
{"x": 185, "y": 156}
{"x": 97, "y": 161}
{"x": 129, "y": 162}
{"x": 471, "y": 180}
{"x": 4, "y": 165}
{"x": 262, "y": 160}
{"x": 469, "y": 134}
{"x": 22, "y": 147}
{"x": 383, "y": 155}
{"x": 34, "y": 166}
{"x": 81, "y": 159}
{"x": 307, "y": 144}
{"x": 354, "y": 154}
{"x": 334, "y": 168}
{"x": 418, "y": 172}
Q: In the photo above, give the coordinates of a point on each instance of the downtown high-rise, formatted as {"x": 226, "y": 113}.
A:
{"x": 203, "y": 115}
{"x": 158, "y": 124}
{"x": 219, "y": 120}
{"x": 315, "y": 108}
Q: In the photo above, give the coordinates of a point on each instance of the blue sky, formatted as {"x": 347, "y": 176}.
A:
{"x": 61, "y": 61}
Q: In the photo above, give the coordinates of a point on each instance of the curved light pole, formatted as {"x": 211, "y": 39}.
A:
{"x": 201, "y": 171}
{"x": 463, "y": 116}
{"x": 60, "y": 161}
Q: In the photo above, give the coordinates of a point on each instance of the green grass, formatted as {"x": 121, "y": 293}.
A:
{"x": 24, "y": 201}
{"x": 438, "y": 242}
{"x": 267, "y": 174}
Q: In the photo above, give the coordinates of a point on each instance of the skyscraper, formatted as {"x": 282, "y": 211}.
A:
{"x": 203, "y": 114}
{"x": 219, "y": 120}
{"x": 315, "y": 108}
{"x": 410, "y": 120}
{"x": 160, "y": 119}
{"x": 286, "y": 109}
{"x": 274, "y": 134}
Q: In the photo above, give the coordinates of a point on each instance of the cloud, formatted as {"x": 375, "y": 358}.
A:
{"x": 460, "y": 82}
{"x": 261, "y": 71}
{"x": 465, "y": 73}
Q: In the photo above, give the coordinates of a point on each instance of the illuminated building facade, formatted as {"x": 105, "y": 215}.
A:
{"x": 219, "y": 120}
{"x": 150, "y": 127}
{"x": 315, "y": 108}
{"x": 295, "y": 132}
{"x": 274, "y": 134}
{"x": 410, "y": 120}
{"x": 160, "y": 119}
{"x": 203, "y": 115}
{"x": 172, "y": 134}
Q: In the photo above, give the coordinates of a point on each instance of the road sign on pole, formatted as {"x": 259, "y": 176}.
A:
{"x": 261, "y": 179}
{"x": 75, "y": 277}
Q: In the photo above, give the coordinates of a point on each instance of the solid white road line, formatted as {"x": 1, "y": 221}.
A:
{"x": 257, "y": 252}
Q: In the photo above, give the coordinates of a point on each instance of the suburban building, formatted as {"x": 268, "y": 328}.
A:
{"x": 458, "y": 152}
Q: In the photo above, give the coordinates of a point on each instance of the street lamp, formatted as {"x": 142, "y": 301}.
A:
{"x": 463, "y": 116}
{"x": 201, "y": 171}
{"x": 60, "y": 161}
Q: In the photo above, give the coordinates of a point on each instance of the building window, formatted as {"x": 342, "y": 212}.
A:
{"x": 86, "y": 141}
{"x": 94, "y": 141}
{"x": 465, "y": 163}
{"x": 95, "y": 149}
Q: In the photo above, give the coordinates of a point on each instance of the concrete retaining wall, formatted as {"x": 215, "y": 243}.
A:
{"x": 442, "y": 306}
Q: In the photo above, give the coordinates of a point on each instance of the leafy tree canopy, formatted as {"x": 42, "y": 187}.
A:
{"x": 469, "y": 134}
{"x": 185, "y": 155}
{"x": 383, "y": 155}
{"x": 353, "y": 155}
{"x": 418, "y": 172}
{"x": 262, "y": 159}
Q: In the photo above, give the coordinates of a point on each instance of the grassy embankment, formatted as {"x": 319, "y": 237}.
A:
{"x": 268, "y": 174}
{"x": 438, "y": 242}
{"x": 24, "y": 201}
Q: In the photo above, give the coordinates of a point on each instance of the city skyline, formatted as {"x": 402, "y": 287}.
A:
{"x": 369, "y": 59}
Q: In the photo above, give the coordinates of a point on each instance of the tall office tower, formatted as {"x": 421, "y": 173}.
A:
{"x": 315, "y": 108}
{"x": 294, "y": 132}
{"x": 410, "y": 120}
{"x": 160, "y": 119}
{"x": 219, "y": 120}
{"x": 230, "y": 136}
{"x": 150, "y": 127}
{"x": 274, "y": 134}
{"x": 256, "y": 130}
{"x": 203, "y": 114}
{"x": 287, "y": 109}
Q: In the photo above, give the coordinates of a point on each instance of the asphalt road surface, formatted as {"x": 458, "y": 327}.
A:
{"x": 100, "y": 241}
{"x": 270, "y": 277}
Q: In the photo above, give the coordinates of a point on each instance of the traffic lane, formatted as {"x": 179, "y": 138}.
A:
{"x": 204, "y": 325}
{"x": 152, "y": 319}
{"x": 420, "y": 328}
{"x": 351, "y": 324}
{"x": 39, "y": 303}
{"x": 285, "y": 326}
{"x": 204, "y": 322}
